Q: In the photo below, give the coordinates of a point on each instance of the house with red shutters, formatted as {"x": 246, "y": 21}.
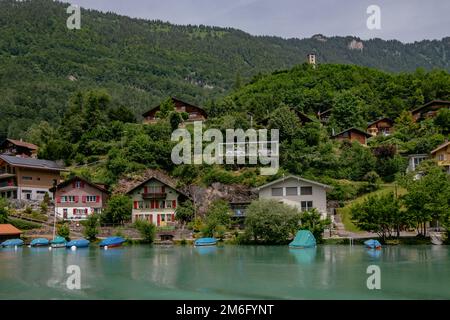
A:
{"x": 156, "y": 199}
{"x": 78, "y": 198}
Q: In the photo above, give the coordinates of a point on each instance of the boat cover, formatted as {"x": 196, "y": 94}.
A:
{"x": 79, "y": 243}
{"x": 303, "y": 239}
{"x": 39, "y": 242}
{"x": 112, "y": 241}
{"x": 372, "y": 244}
{"x": 12, "y": 243}
{"x": 58, "y": 240}
{"x": 205, "y": 242}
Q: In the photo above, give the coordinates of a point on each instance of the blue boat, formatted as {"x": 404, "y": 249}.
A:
{"x": 304, "y": 239}
{"x": 58, "y": 242}
{"x": 204, "y": 242}
{"x": 40, "y": 242}
{"x": 112, "y": 242}
{"x": 373, "y": 244}
{"x": 12, "y": 243}
{"x": 79, "y": 243}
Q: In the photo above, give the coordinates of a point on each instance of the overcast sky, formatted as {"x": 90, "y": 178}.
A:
{"x": 405, "y": 20}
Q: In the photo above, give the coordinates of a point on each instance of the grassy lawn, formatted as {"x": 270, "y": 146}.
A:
{"x": 345, "y": 211}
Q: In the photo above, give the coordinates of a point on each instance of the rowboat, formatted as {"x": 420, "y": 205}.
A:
{"x": 58, "y": 242}
{"x": 79, "y": 243}
{"x": 112, "y": 242}
{"x": 372, "y": 244}
{"x": 12, "y": 243}
{"x": 40, "y": 242}
{"x": 204, "y": 242}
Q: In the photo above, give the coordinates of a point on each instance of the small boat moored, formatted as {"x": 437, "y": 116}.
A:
{"x": 12, "y": 243}
{"x": 58, "y": 242}
{"x": 373, "y": 244}
{"x": 40, "y": 242}
{"x": 204, "y": 242}
{"x": 112, "y": 242}
{"x": 303, "y": 240}
{"x": 78, "y": 243}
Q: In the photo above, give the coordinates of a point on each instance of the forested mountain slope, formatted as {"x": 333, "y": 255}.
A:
{"x": 139, "y": 62}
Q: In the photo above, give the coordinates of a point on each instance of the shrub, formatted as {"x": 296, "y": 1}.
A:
{"x": 44, "y": 207}
{"x": 146, "y": 229}
{"x": 270, "y": 221}
{"x": 63, "y": 230}
{"x": 311, "y": 220}
{"x": 118, "y": 209}
{"x": 91, "y": 227}
{"x": 4, "y": 211}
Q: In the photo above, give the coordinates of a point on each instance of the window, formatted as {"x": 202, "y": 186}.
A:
{"x": 27, "y": 178}
{"x": 140, "y": 204}
{"x": 78, "y": 184}
{"x": 306, "y": 205}
{"x": 68, "y": 199}
{"x": 162, "y": 204}
{"x": 163, "y": 217}
{"x": 441, "y": 157}
{"x": 277, "y": 192}
{"x": 91, "y": 198}
{"x": 168, "y": 204}
{"x": 291, "y": 191}
{"x": 306, "y": 191}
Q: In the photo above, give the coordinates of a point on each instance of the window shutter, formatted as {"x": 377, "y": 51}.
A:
{"x": 58, "y": 199}
{"x": 83, "y": 198}
{"x": 151, "y": 218}
{"x": 73, "y": 184}
{"x": 173, "y": 217}
{"x": 97, "y": 199}
{"x": 145, "y": 190}
{"x": 174, "y": 204}
{"x": 159, "y": 220}
{"x": 157, "y": 204}
{"x": 135, "y": 205}
{"x": 76, "y": 199}
{"x": 152, "y": 204}
{"x": 74, "y": 211}
{"x": 86, "y": 211}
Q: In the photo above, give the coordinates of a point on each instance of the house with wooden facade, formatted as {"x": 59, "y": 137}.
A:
{"x": 298, "y": 192}
{"x": 77, "y": 199}
{"x": 429, "y": 110}
{"x": 8, "y": 231}
{"x": 195, "y": 113}
{"x": 352, "y": 134}
{"x": 27, "y": 178}
{"x": 442, "y": 155}
{"x": 18, "y": 148}
{"x": 380, "y": 127}
{"x": 155, "y": 200}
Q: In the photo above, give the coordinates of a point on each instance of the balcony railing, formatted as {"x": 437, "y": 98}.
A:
{"x": 154, "y": 195}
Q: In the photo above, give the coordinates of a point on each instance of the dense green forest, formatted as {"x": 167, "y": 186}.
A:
{"x": 139, "y": 63}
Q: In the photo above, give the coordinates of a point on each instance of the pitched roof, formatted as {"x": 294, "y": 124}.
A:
{"x": 124, "y": 185}
{"x": 381, "y": 119}
{"x": 23, "y": 144}
{"x": 440, "y": 147}
{"x": 353, "y": 129}
{"x": 8, "y": 229}
{"x": 297, "y": 178}
{"x": 31, "y": 163}
{"x": 69, "y": 181}
{"x": 429, "y": 104}
{"x": 174, "y": 100}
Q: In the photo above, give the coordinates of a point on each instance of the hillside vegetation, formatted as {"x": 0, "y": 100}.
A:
{"x": 139, "y": 62}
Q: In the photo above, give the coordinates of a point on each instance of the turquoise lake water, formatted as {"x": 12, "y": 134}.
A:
{"x": 229, "y": 272}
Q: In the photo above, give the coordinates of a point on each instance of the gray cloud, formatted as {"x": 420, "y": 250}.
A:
{"x": 405, "y": 20}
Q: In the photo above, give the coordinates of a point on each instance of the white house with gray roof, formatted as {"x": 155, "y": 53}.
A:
{"x": 298, "y": 192}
